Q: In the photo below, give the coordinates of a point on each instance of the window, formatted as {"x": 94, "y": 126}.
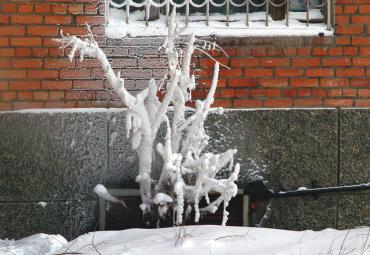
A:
{"x": 222, "y": 17}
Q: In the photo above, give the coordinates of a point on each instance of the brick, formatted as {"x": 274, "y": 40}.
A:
{"x": 349, "y": 29}
{"x": 4, "y": 41}
{"x": 278, "y": 103}
{"x": 274, "y": 62}
{"x": 365, "y": 40}
{"x": 222, "y": 103}
{"x": 309, "y": 102}
{"x": 4, "y": 63}
{"x": 350, "y": 9}
{"x": 257, "y": 92}
{"x": 364, "y": 9}
{"x": 7, "y": 52}
{"x": 365, "y": 61}
{"x": 289, "y": 51}
{"x": 242, "y": 92}
{"x": 350, "y": 72}
{"x": 319, "y": 72}
{"x": 273, "y": 82}
{"x": 343, "y": 40}
{"x": 304, "y": 82}
{"x": 26, "y": 41}
{"x": 40, "y": 52}
{"x": 26, "y": 19}
{"x": 364, "y": 51}
{"x": 91, "y": 9}
{"x": 58, "y": 63}
{"x": 288, "y": 92}
{"x": 247, "y": 103}
{"x": 91, "y": 20}
{"x": 318, "y": 92}
{"x": 3, "y": 85}
{"x": 363, "y": 92}
{"x": 343, "y": 61}
{"x": 342, "y": 20}
{"x": 80, "y": 95}
{"x": 12, "y": 74}
{"x": 361, "y": 19}
{"x": 273, "y": 92}
{"x": 56, "y": 95}
{"x": 318, "y": 51}
{"x": 12, "y": 30}
{"x": 304, "y": 51}
{"x": 9, "y": 7}
{"x": 42, "y": 30}
{"x": 4, "y": 19}
{"x": 303, "y": 92}
{"x": 88, "y": 84}
{"x": 350, "y": 51}
{"x": 42, "y": 8}
{"x": 74, "y": 74}
{"x": 227, "y": 93}
{"x": 59, "y": 8}
{"x": 8, "y": 95}
{"x": 24, "y": 95}
{"x": 289, "y": 72}
{"x": 58, "y": 19}
{"x": 362, "y": 102}
{"x": 24, "y": 85}
{"x": 23, "y": 52}
{"x": 241, "y": 62}
{"x": 42, "y": 74}
{"x": 25, "y": 8}
{"x": 334, "y": 82}
{"x": 28, "y": 105}
{"x": 361, "y": 82}
{"x": 306, "y": 61}
{"x": 349, "y": 92}
{"x": 338, "y": 102}
{"x": 256, "y": 72}
{"x": 5, "y": 106}
{"x": 61, "y": 105}
{"x": 40, "y": 95}
{"x": 76, "y": 9}
{"x": 335, "y": 51}
{"x": 56, "y": 85}
{"x": 242, "y": 82}
{"x": 27, "y": 63}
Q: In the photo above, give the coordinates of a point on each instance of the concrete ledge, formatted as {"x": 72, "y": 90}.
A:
{"x": 61, "y": 155}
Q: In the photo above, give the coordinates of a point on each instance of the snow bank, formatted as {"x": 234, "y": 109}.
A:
{"x": 214, "y": 240}
{"x": 40, "y": 244}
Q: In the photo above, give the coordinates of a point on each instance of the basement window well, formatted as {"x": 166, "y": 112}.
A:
{"x": 223, "y": 18}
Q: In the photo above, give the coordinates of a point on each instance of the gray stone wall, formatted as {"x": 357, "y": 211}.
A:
{"x": 58, "y": 157}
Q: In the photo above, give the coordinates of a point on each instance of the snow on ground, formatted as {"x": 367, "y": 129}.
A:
{"x": 38, "y": 244}
{"x": 117, "y": 27}
{"x": 199, "y": 240}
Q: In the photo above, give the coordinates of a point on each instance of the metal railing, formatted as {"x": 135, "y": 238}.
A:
{"x": 168, "y": 4}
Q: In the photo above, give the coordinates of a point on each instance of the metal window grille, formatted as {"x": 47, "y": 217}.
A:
{"x": 167, "y": 5}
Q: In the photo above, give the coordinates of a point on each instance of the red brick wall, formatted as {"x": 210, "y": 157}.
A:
{"x": 265, "y": 72}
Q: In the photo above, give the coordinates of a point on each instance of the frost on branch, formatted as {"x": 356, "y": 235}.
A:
{"x": 188, "y": 173}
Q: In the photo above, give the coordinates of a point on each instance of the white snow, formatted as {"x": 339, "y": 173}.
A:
{"x": 117, "y": 27}
{"x": 40, "y": 244}
{"x": 161, "y": 198}
{"x": 199, "y": 240}
{"x": 42, "y": 204}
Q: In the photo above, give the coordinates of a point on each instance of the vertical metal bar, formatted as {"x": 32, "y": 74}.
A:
{"x": 328, "y": 19}
{"x": 207, "y": 13}
{"x": 187, "y": 13}
{"x": 146, "y": 7}
{"x": 101, "y": 213}
{"x": 128, "y": 11}
{"x": 106, "y": 15}
{"x": 267, "y": 12}
{"x": 227, "y": 12}
{"x": 308, "y": 13}
{"x": 245, "y": 210}
{"x": 287, "y": 13}
{"x": 247, "y": 13}
{"x": 167, "y": 12}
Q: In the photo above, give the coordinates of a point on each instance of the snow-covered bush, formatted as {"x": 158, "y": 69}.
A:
{"x": 188, "y": 174}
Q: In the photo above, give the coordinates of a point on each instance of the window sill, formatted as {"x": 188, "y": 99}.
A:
{"x": 117, "y": 27}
